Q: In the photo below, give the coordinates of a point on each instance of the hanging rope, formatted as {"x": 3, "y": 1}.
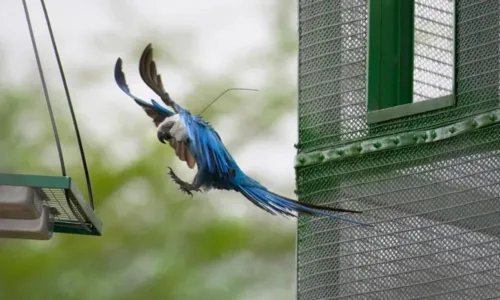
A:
{"x": 70, "y": 104}
{"x": 45, "y": 90}
{"x": 68, "y": 98}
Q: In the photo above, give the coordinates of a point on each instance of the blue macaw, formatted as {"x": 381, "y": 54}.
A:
{"x": 197, "y": 143}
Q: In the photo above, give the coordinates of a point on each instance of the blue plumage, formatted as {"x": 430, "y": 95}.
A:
{"x": 195, "y": 140}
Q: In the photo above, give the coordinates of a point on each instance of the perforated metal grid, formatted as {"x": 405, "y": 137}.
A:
{"x": 68, "y": 214}
{"x": 436, "y": 206}
{"x": 60, "y": 208}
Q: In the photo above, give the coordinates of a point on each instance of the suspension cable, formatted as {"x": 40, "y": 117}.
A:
{"x": 45, "y": 90}
{"x": 70, "y": 104}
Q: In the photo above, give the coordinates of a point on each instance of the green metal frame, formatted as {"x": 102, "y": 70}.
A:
{"x": 405, "y": 110}
{"x": 390, "y": 44}
{"x": 390, "y": 63}
{"x": 401, "y": 140}
{"x": 78, "y": 216}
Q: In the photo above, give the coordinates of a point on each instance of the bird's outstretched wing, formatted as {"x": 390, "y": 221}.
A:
{"x": 158, "y": 115}
{"x": 147, "y": 70}
{"x": 206, "y": 145}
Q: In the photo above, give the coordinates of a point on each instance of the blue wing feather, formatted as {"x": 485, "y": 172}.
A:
{"x": 122, "y": 84}
{"x": 207, "y": 143}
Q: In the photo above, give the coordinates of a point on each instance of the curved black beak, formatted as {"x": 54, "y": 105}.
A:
{"x": 162, "y": 136}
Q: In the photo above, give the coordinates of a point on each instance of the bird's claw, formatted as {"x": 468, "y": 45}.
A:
{"x": 186, "y": 190}
{"x": 183, "y": 186}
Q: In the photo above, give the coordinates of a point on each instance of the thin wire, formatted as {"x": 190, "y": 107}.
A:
{"x": 231, "y": 89}
{"x": 68, "y": 98}
{"x": 45, "y": 90}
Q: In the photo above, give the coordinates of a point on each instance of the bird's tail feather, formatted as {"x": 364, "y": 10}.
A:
{"x": 276, "y": 204}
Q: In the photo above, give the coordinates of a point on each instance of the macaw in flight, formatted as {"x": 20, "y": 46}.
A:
{"x": 198, "y": 144}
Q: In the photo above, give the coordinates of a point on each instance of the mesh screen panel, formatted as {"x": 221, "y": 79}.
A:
{"x": 436, "y": 206}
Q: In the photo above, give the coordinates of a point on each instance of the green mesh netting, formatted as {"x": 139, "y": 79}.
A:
{"x": 436, "y": 205}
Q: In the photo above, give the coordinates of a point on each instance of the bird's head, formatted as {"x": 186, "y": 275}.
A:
{"x": 164, "y": 131}
{"x": 163, "y": 135}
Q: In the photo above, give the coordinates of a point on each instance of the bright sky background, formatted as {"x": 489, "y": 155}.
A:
{"x": 224, "y": 30}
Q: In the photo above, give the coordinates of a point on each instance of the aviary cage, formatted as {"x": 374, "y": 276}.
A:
{"x": 399, "y": 116}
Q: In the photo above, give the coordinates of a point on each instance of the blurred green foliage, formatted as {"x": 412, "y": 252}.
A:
{"x": 157, "y": 243}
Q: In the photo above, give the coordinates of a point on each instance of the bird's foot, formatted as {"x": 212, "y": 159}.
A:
{"x": 183, "y": 186}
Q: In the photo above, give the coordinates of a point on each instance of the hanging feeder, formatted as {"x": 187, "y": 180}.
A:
{"x": 35, "y": 206}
